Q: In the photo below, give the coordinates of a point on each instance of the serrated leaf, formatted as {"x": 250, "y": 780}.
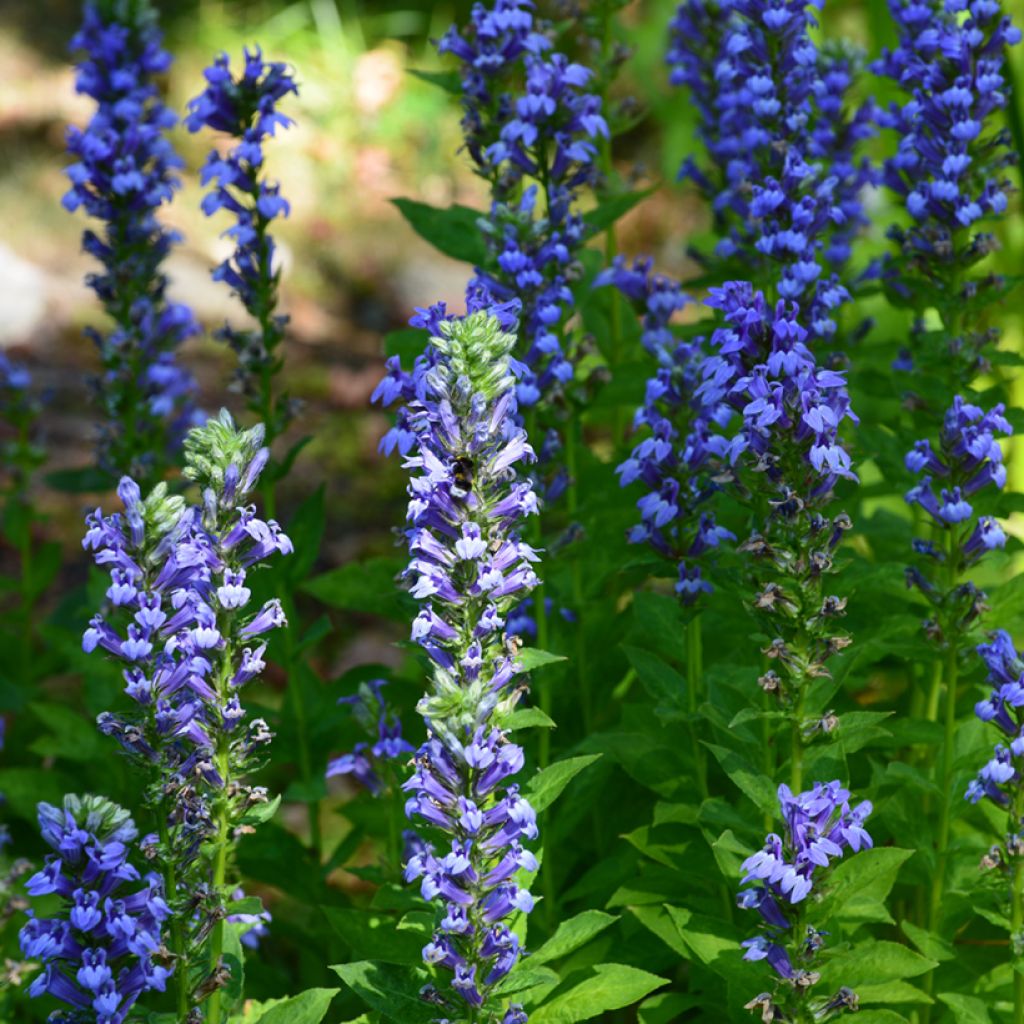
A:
{"x": 547, "y": 785}
{"x": 528, "y": 718}
{"x": 874, "y": 962}
{"x": 309, "y": 1007}
{"x": 526, "y": 977}
{"x": 931, "y": 946}
{"x": 860, "y": 883}
{"x": 375, "y": 935}
{"x": 757, "y": 786}
{"x": 452, "y": 230}
{"x": 391, "y": 990}
{"x": 966, "y": 1009}
{"x": 609, "y": 987}
{"x": 572, "y": 934}
{"x": 366, "y": 587}
{"x": 531, "y": 658}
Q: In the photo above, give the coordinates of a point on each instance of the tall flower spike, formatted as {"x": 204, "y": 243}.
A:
{"x": 528, "y": 116}
{"x": 246, "y": 109}
{"x": 782, "y": 176}
{"x": 468, "y": 568}
{"x": 819, "y": 827}
{"x": 774, "y": 425}
{"x": 124, "y": 171}
{"x": 102, "y": 950}
{"x": 179, "y": 617}
{"x": 949, "y": 169}
{"x": 671, "y": 458}
{"x": 968, "y": 463}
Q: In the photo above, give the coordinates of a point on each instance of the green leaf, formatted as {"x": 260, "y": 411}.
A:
{"x": 261, "y": 813}
{"x": 71, "y": 736}
{"x": 892, "y": 993}
{"x": 528, "y": 718}
{"x": 748, "y": 779}
{"x": 454, "y": 231}
{"x": 526, "y": 977}
{"x": 367, "y": 587}
{"x": 660, "y": 680}
{"x": 25, "y": 788}
{"x": 306, "y": 530}
{"x": 966, "y": 1009}
{"x": 546, "y": 786}
{"x": 234, "y": 961}
{"x": 880, "y": 1017}
{"x": 375, "y": 935}
{"x": 860, "y": 883}
{"x": 932, "y": 946}
{"x": 572, "y": 934}
{"x": 309, "y": 1007}
{"x": 450, "y": 81}
{"x": 406, "y": 343}
{"x": 665, "y": 1008}
{"x": 392, "y": 991}
{"x": 607, "y": 212}
{"x": 246, "y": 905}
{"x": 531, "y": 658}
{"x": 871, "y": 963}
{"x": 86, "y": 480}
{"x": 609, "y": 987}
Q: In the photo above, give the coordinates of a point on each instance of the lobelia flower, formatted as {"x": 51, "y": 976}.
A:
{"x": 820, "y": 826}
{"x": 364, "y": 761}
{"x": 969, "y": 461}
{"x": 774, "y": 419}
{"x": 671, "y": 459}
{"x": 783, "y": 177}
{"x": 102, "y": 950}
{"x": 949, "y": 169}
{"x": 179, "y": 618}
{"x": 527, "y": 115}
{"x": 124, "y": 171}
{"x": 469, "y": 568}
{"x": 245, "y": 107}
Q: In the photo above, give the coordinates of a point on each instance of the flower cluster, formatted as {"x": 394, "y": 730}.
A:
{"x": 969, "y": 460}
{"x": 123, "y": 173}
{"x": 469, "y": 569}
{"x": 1000, "y": 777}
{"x": 178, "y": 576}
{"x": 528, "y": 114}
{"x": 949, "y": 167}
{"x": 776, "y": 419}
{"x": 671, "y": 458}
{"x": 363, "y": 762}
{"x": 245, "y": 108}
{"x": 783, "y": 179}
{"x": 820, "y": 826}
{"x": 102, "y": 950}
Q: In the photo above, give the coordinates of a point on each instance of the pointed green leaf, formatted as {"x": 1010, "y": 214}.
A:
{"x": 572, "y": 934}
{"x": 546, "y": 786}
{"x": 309, "y": 1007}
{"x": 391, "y": 990}
{"x": 609, "y": 987}
{"x": 454, "y": 231}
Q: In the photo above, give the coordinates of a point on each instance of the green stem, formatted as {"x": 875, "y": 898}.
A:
{"x": 695, "y": 680}
{"x": 797, "y": 741}
{"x": 177, "y": 932}
{"x": 222, "y": 817}
{"x": 1016, "y": 925}
{"x": 572, "y": 442}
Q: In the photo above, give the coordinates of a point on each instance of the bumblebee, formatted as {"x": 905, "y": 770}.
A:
{"x": 462, "y": 476}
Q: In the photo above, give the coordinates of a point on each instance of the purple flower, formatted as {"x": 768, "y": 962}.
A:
{"x": 469, "y": 568}
{"x": 820, "y": 826}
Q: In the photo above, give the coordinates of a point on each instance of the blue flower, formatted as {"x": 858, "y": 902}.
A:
{"x": 528, "y": 113}
{"x": 246, "y": 108}
{"x": 820, "y": 826}
{"x": 124, "y": 171}
{"x": 101, "y": 951}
